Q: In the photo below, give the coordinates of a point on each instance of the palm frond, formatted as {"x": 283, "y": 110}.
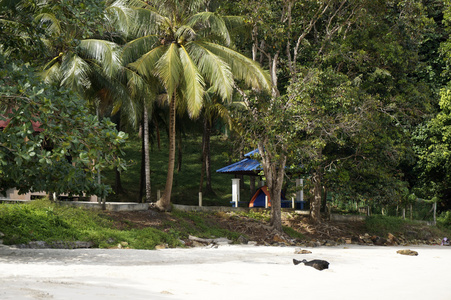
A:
{"x": 185, "y": 33}
{"x": 146, "y": 21}
{"x": 137, "y": 47}
{"x": 169, "y": 69}
{"x": 107, "y": 53}
{"x": 194, "y": 83}
{"x": 137, "y": 85}
{"x": 214, "y": 69}
{"x": 145, "y": 65}
{"x": 50, "y": 22}
{"x": 51, "y": 73}
{"x": 242, "y": 67}
{"x": 120, "y": 16}
{"x": 212, "y": 23}
{"x": 74, "y": 72}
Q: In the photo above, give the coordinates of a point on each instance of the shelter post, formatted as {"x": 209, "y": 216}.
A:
{"x": 236, "y": 191}
{"x": 299, "y": 189}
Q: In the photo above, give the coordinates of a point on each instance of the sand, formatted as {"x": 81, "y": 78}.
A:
{"x": 226, "y": 272}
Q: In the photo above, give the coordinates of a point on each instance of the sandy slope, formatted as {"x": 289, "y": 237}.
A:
{"x": 227, "y": 272}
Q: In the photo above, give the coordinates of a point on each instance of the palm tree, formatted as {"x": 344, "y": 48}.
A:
{"x": 184, "y": 49}
{"x": 212, "y": 112}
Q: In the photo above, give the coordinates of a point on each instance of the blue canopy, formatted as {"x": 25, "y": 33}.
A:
{"x": 247, "y": 166}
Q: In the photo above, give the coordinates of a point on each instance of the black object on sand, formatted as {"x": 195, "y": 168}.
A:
{"x": 316, "y": 263}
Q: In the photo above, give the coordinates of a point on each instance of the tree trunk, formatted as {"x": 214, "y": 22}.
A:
{"x": 274, "y": 169}
{"x": 142, "y": 178}
{"x": 203, "y": 159}
{"x": 147, "y": 154}
{"x": 315, "y": 207}
{"x": 180, "y": 154}
{"x": 164, "y": 203}
{"x": 118, "y": 189}
{"x": 206, "y": 159}
{"x": 208, "y": 188}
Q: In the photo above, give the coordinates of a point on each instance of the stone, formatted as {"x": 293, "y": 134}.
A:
{"x": 278, "y": 239}
{"x": 197, "y": 244}
{"x": 160, "y": 247}
{"x": 200, "y": 240}
{"x": 378, "y": 241}
{"x": 407, "y": 252}
{"x": 242, "y": 240}
{"x": 80, "y": 244}
{"x": 302, "y": 251}
{"x": 222, "y": 241}
{"x": 392, "y": 240}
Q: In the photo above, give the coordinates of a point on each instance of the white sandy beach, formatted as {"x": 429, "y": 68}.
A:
{"x": 226, "y": 272}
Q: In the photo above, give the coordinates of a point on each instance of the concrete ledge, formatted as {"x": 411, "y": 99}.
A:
{"x": 335, "y": 217}
{"x": 110, "y": 206}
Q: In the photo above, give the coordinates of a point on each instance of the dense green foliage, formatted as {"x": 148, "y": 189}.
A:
{"x": 355, "y": 104}
{"x": 68, "y": 148}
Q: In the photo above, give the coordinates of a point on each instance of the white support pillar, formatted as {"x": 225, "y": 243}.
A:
{"x": 300, "y": 189}
{"x": 236, "y": 191}
{"x": 266, "y": 201}
{"x": 200, "y": 198}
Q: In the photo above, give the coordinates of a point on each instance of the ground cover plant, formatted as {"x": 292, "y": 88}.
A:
{"x": 42, "y": 220}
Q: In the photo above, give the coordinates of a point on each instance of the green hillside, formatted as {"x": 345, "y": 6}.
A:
{"x": 186, "y": 181}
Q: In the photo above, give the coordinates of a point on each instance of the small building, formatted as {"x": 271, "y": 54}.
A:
{"x": 252, "y": 168}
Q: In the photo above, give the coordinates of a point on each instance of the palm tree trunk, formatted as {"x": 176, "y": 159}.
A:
{"x": 203, "y": 163}
{"x": 179, "y": 152}
{"x": 118, "y": 189}
{"x": 147, "y": 154}
{"x": 208, "y": 188}
{"x": 164, "y": 203}
{"x": 142, "y": 177}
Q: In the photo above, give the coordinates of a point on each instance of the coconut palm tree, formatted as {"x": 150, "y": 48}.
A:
{"x": 186, "y": 50}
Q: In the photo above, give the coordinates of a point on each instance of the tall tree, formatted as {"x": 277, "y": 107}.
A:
{"x": 283, "y": 33}
{"x": 177, "y": 46}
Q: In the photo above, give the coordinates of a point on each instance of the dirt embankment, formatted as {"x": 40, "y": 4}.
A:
{"x": 328, "y": 233}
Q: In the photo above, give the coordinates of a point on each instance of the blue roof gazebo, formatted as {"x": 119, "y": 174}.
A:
{"x": 247, "y": 166}
{"x": 252, "y": 168}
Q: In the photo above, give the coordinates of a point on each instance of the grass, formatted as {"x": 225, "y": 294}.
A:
{"x": 382, "y": 225}
{"x": 42, "y": 220}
